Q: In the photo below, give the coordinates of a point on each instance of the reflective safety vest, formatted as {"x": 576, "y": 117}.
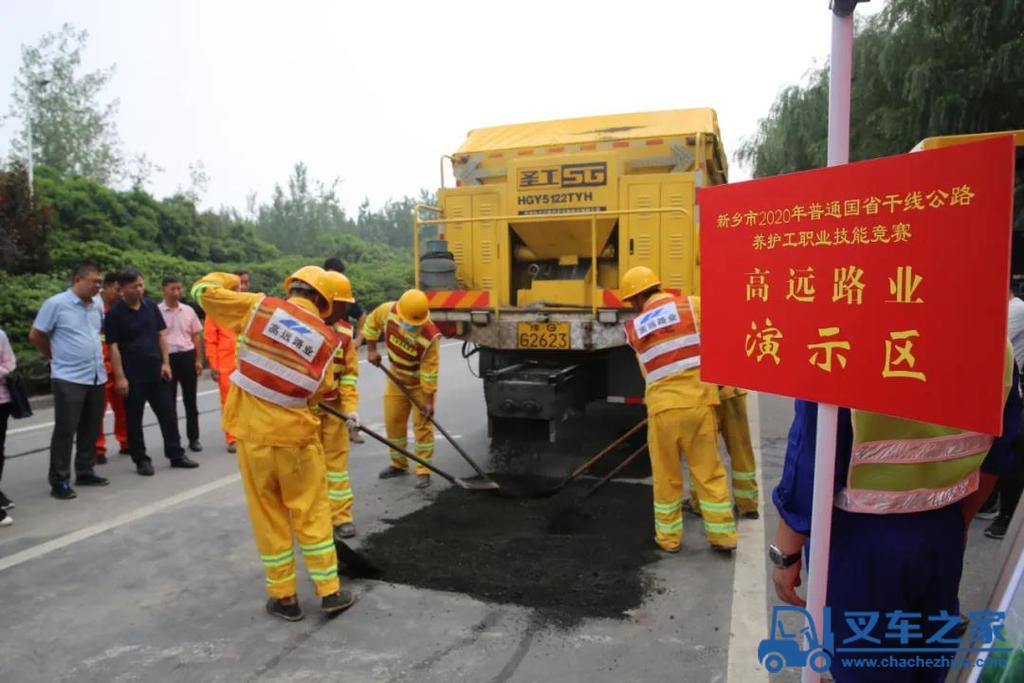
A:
{"x": 283, "y": 353}
{"x": 900, "y": 466}
{"x": 406, "y": 351}
{"x": 344, "y": 332}
{"x": 665, "y": 337}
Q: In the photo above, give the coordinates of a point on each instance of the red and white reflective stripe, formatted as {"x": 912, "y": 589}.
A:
{"x": 628, "y": 400}
{"x": 304, "y": 382}
{"x": 670, "y": 345}
{"x": 937, "y": 449}
{"x": 266, "y": 393}
{"x": 672, "y": 369}
{"x": 897, "y": 502}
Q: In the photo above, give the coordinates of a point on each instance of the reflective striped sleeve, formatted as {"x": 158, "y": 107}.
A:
{"x": 429, "y": 366}
{"x": 226, "y": 307}
{"x": 349, "y": 375}
{"x": 376, "y": 322}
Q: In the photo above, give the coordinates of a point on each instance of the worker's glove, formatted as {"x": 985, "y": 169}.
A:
{"x": 352, "y": 421}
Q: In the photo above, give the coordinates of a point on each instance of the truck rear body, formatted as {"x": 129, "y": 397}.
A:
{"x": 543, "y": 220}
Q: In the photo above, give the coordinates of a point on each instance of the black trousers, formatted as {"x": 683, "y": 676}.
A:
{"x": 158, "y": 396}
{"x": 77, "y": 416}
{"x": 5, "y": 414}
{"x": 183, "y": 372}
{"x": 1012, "y": 484}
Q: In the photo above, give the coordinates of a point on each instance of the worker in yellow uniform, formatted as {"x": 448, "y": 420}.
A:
{"x": 285, "y": 362}
{"x": 680, "y": 411}
{"x": 412, "y": 344}
{"x": 735, "y": 428}
{"x": 344, "y": 397}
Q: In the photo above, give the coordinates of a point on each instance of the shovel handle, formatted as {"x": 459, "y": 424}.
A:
{"x": 419, "y": 407}
{"x": 377, "y": 437}
{"x": 618, "y": 468}
{"x": 608, "y": 449}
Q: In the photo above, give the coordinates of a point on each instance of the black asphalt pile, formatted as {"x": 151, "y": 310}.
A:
{"x": 506, "y": 550}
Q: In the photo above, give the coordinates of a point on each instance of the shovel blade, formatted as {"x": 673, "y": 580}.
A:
{"x": 477, "y": 484}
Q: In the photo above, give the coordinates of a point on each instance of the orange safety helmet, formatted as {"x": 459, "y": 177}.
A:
{"x": 413, "y": 307}
{"x": 316, "y": 278}
{"x": 637, "y": 280}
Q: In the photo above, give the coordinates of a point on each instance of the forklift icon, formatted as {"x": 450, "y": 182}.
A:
{"x": 790, "y": 649}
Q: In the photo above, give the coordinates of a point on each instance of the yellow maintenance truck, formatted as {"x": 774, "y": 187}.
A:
{"x": 522, "y": 258}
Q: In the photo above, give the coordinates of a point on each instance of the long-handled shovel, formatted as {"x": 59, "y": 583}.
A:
{"x": 419, "y": 406}
{"x": 468, "y": 484}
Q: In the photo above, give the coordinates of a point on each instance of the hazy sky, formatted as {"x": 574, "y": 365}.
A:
{"x": 375, "y": 92}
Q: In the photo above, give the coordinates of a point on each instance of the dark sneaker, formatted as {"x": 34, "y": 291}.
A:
{"x": 90, "y": 479}
{"x": 144, "y": 467}
{"x": 337, "y": 602}
{"x": 422, "y": 481}
{"x": 346, "y": 530}
{"x": 195, "y": 446}
{"x": 184, "y": 462}
{"x": 124, "y": 451}
{"x": 232, "y": 448}
{"x": 750, "y": 514}
{"x": 5, "y": 502}
{"x": 286, "y": 608}
{"x": 990, "y": 510}
{"x": 5, "y": 519}
{"x": 724, "y": 549}
{"x": 63, "y": 491}
{"x": 101, "y": 459}
{"x": 391, "y": 471}
{"x": 997, "y": 529}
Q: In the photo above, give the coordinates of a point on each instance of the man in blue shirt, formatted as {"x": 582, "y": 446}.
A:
{"x": 880, "y": 563}
{"x": 66, "y": 332}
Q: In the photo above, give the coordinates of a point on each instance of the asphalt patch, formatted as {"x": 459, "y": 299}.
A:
{"x": 507, "y": 550}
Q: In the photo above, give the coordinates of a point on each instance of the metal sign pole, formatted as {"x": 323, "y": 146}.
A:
{"x": 840, "y": 72}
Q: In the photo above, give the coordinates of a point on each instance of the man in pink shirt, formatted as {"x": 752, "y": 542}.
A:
{"x": 183, "y": 329}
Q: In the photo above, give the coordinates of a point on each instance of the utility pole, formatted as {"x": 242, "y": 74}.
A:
{"x": 28, "y": 129}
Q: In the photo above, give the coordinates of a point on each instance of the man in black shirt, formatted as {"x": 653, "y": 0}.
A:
{"x": 135, "y": 331}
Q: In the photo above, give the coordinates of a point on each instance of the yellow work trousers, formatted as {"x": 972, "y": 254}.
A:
{"x": 286, "y": 490}
{"x": 694, "y": 432}
{"x": 396, "y": 420}
{"x": 334, "y": 436}
{"x": 732, "y": 422}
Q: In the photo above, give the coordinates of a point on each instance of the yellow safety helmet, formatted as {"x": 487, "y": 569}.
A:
{"x": 341, "y": 287}
{"x": 637, "y": 280}
{"x": 317, "y": 278}
{"x": 413, "y": 307}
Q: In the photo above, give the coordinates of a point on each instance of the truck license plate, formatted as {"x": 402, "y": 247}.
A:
{"x": 542, "y": 335}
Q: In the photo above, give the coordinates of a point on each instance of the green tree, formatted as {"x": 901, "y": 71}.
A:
{"x": 24, "y": 227}
{"x": 921, "y": 68}
{"x": 72, "y": 131}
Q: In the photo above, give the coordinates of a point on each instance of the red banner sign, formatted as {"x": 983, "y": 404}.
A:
{"x": 880, "y": 285}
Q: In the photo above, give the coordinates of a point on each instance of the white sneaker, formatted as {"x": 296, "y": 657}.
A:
{"x": 7, "y": 521}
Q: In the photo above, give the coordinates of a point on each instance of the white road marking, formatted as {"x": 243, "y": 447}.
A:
{"x": 749, "y": 619}
{"x": 46, "y": 425}
{"x": 64, "y": 541}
